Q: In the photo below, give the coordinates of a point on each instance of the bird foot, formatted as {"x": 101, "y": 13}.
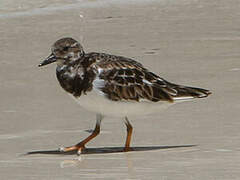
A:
{"x": 126, "y": 149}
{"x": 78, "y": 148}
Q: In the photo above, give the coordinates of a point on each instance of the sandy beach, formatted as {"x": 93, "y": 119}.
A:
{"x": 188, "y": 42}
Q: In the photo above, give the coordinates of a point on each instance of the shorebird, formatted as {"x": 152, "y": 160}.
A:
{"x": 113, "y": 86}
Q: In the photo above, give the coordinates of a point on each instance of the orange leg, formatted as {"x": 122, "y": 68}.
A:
{"x": 81, "y": 145}
{"x": 129, "y": 135}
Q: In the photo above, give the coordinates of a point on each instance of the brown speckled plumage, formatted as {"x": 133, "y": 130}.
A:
{"x": 112, "y": 85}
{"x": 124, "y": 78}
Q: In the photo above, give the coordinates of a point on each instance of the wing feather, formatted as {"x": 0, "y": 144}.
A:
{"x": 125, "y": 79}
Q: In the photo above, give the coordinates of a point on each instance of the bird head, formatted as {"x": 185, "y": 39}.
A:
{"x": 64, "y": 51}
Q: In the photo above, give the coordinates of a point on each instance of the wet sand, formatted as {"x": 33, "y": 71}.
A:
{"x": 188, "y": 42}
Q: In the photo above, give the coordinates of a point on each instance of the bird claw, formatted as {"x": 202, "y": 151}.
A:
{"x": 126, "y": 149}
{"x": 61, "y": 149}
{"x": 80, "y": 150}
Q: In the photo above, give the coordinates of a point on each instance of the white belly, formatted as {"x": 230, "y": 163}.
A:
{"x": 97, "y": 103}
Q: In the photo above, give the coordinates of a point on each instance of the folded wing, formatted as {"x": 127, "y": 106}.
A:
{"x": 126, "y": 79}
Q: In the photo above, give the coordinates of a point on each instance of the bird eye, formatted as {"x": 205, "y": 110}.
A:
{"x": 65, "y": 48}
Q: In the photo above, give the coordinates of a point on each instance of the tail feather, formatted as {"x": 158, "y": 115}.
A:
{"x": 186, "y": 92}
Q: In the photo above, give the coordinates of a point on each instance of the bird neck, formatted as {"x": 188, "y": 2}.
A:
{"x": 74, "y": 78}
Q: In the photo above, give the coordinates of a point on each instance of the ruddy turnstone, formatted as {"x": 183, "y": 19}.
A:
{"x": 112, "y": 85}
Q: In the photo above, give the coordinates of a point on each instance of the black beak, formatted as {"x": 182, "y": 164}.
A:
{"x": 50, "y": 59}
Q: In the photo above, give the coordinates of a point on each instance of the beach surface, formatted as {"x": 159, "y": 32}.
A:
{"x": 189, "y": 42}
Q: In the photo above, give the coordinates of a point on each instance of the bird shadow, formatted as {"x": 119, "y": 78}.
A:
{"x": 106, "y": 150}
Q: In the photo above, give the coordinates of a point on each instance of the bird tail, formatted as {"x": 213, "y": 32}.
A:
{"x": 186, "y": 92}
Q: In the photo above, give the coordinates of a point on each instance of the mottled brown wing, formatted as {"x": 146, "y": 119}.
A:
{"x": 129, "y": 80}
{"x": 126, "y": 79}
